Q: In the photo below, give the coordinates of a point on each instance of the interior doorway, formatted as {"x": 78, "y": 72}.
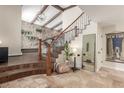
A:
{"x": 89, "y": 46}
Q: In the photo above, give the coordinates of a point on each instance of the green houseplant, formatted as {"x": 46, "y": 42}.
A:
{"x": 67, "y": 51}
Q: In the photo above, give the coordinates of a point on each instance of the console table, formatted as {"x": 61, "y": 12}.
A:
{"x": 3, "y": 54}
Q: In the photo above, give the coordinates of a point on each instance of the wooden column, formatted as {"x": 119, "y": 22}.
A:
{"x": 48, "y": 61}
{"x": 40, "y": 51}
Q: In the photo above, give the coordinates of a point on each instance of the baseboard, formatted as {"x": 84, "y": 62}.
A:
{"x": 16, "y": 54}
{"x": 114, "y": 66}
{"x": 29, "y": 50}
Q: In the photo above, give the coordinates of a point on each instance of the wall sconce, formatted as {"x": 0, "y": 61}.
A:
{"x": 0, "y": 42}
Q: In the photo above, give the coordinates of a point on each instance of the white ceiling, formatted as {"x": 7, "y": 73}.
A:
{"x": 64, "y": 6}
{"x": 59, "y": 27}
{"x": 48, "y": 13}
{"x": 105, "y": 14}
{"x": 54, "y": 22}
{"x": 29, "y": 12}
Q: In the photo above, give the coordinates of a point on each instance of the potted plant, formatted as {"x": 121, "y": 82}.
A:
{"x": 67, "y": 52}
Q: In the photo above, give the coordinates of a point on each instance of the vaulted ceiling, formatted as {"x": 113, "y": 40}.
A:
{"x": 45, "y": 15}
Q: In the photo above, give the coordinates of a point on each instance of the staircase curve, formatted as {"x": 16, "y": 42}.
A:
{"x": 55, "y": 45}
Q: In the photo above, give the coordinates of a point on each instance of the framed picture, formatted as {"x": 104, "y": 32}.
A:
{"x": 115, "y": 47}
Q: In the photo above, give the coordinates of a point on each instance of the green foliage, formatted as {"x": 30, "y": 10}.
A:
{"x": 67, "y": 51}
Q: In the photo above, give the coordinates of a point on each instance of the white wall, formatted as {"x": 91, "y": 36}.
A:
{"x": 70, "y": 15}
{"x": 120, "y": 27}
{"x": 99, "y": 48}
{"x": 10, "y": 28}
{"x": 91, "y": 29}
{"x": 106, "y": 30}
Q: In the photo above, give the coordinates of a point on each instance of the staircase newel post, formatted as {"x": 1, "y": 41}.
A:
{"x": 40, "y": 51}
{"x": 76, "y": 33}
{"x": 48, "y": 61}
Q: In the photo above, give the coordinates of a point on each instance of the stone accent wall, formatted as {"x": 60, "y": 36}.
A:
{"x": 31, "y": 33}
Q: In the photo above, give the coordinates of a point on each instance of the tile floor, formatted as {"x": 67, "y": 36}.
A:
{"x": 105, "y": 78}
{"x": 89, "y": 66}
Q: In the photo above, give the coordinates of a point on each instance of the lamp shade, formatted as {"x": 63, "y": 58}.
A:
{"x": 74, "y": 50}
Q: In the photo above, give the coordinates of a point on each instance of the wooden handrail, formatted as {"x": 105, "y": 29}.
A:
{"x": 48, "y": 61}
{"x": 66, "y": 28}
{"x": 52, "y": 38}
{"x": 63, "y": 32}
{"x": 49, "y": 38}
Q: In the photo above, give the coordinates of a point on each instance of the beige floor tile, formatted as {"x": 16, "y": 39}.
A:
{"x": 105, "y": 78}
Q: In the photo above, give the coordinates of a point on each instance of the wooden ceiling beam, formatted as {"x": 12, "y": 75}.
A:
{"x": 58, "y": 7}
{"x": 54, "y": 17}
{"x": 39, "y": 13}
{"x": 69, "y": 7}
{"x": 58, "y": 24}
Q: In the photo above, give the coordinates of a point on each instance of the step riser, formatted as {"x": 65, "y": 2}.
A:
{"x": 10, "y": 73}
{"x": 21, "y": 66}
{"x": 20, "y": 75}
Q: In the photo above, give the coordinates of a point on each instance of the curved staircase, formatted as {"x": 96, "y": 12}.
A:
{"x": 56, "y": 46}
{"x": 70, "y": 35}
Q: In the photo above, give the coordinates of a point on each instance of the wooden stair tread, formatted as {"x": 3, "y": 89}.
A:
{"x": 7, "y": 73}
{"x": 21, "y": 66}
